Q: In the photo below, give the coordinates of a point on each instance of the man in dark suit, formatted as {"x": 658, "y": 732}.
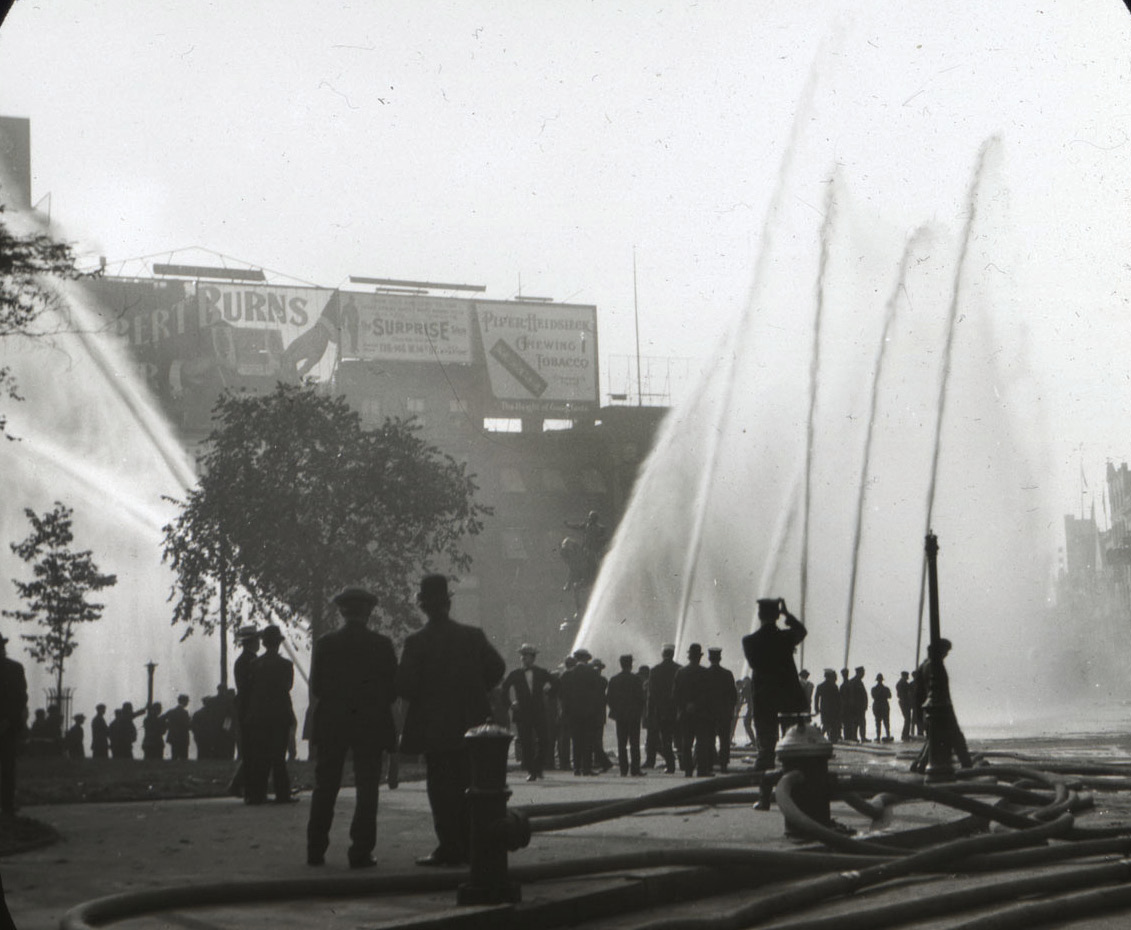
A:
{"x": 446, "y": 672}
{"x": 268, "y": 720}
{"x": 773, "y": 675}
{"x": 13, "y": 725}
{"x": 529, "y": 691}
{"x": 692, "y": 697}
{"x": 625, "y": 697}
{"x": 248, "y": 638}
{"x": 583, "y": 704}
{"x": 352, "y": 688}
{"x": 661, "y": 682}
{"x": 722, "y": 697}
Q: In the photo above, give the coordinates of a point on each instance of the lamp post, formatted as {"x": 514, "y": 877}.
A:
{"x": 937, "y": 706}
{"x": 150, "y": 667}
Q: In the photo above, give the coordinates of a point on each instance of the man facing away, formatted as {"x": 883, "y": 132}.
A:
{"x": 691, "y": 694}
{"x": 268, "y": 720}
{"x": 661, "y": 683}
{"x": 529, "y": 691}
{"x": 13, "y": 725}
{"x": 773, "y": 674}
{"x": 625, "y": 697}
{"x": 352, "y": 688}
{"x": 446, "y": 672}
{"x": 723, "y": 699}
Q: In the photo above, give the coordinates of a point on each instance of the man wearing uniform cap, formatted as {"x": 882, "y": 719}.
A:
{"x": 529, "y": 691}
{"x": 773, "y": 674}
{"x": 352, "y": 689}
{"x": 446, "y": 673}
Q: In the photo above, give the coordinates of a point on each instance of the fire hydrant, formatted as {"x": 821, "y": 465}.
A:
{"x": 804, "y": 749}
{"x": 494, "y": 830}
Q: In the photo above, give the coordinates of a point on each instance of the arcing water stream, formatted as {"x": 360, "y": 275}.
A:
{"x": 973, "y": 474}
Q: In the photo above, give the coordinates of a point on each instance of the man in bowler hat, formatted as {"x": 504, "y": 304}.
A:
{"x": 352, "y": 688}
{"x": 446, "y": 672}
{"x": 773, "y": 674}
{"x": 529, "y": 691}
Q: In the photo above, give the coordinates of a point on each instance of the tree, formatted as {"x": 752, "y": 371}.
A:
{"x": 56, "y": 599}
{"x": 297, "y": 500}
{"x": 24, "y": 262}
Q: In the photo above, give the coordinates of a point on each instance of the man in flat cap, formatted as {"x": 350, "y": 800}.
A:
{"x": 528, "y": 691}
{"x": 773, "y": 674}
{"x": 446, "y": 673}
{"x": 352, "y": 689}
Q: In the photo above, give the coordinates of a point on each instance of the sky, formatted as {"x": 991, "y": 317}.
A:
{"x": 726, "y": 150}
{"x": 537, "y": 148}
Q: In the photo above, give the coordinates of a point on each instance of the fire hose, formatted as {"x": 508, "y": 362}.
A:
{"x": 1034, "y": 809}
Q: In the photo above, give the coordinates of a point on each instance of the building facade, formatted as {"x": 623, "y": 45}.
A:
{"x": 510, "y": 388}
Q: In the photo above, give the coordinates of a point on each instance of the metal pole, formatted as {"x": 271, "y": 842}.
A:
{"x": 938, "y": 709}
{"x": 636, "y": 319}
{"x": 150, "y": 667}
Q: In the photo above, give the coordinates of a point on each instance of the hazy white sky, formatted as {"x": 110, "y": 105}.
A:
{"x": 488, "y": 142}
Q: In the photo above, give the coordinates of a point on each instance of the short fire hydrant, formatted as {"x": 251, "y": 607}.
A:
{"x": 804, "y": 749}
{"x": 494, "y": 830}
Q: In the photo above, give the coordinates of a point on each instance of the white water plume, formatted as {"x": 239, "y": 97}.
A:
{"x": 91, "y": 437}
{"x": 747, "y": 423}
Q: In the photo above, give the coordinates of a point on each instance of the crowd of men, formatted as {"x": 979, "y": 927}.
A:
{"x": 685, "y": 717}
{"x": 448, "y": 680}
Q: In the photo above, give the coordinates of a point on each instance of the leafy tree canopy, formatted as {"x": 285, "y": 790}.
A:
{"x": 56, "y": 598}
{"x": 24, "y": 261}
{"x": 298, "y": 500}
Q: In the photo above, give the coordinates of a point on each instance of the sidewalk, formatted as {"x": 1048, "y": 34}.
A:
{"x": 113, "y": 848}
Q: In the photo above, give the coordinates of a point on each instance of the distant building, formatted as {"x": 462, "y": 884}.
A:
{"x": 511, "y": 388}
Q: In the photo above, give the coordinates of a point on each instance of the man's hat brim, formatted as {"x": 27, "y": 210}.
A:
{"x": 355, "y": 597}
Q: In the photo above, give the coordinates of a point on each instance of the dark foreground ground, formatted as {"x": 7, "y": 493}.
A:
{"x": 154, "y": 828}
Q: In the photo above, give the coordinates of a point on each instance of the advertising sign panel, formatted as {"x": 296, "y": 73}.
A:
{"x": 406, "y": 328}
{"x": 193, "y": 339}
{"x": 541, "y": 358}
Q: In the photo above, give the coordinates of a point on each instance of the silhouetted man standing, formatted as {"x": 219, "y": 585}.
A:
{"x": 661, "y": 682}
{"x": 529, "y": 690}
{"x": 691, "y": 695}
{"x": 13, "y": 725}
{"x": 583, "y": 704}
{"x": 177, "y": 722}
{"x": 773, "y": 674}
{"x": 827, "y": 704}
{"x": 248, "y": 638}
{"x": 903, "y": 697}
{"x": 446, "y": 672}
{"x": 859, "y": 707}
{"x": 99, "y": 734}
{"x": 268, "y": 719}
{"x": 352, "y": 688}
{"x": 625, "y": 697}
{"x": 723, "y": 697}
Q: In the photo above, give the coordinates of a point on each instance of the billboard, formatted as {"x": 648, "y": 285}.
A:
{"x": 191, "y": 340}
{"x": 406, "y": 328}
{"x": 541, "y": 358}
